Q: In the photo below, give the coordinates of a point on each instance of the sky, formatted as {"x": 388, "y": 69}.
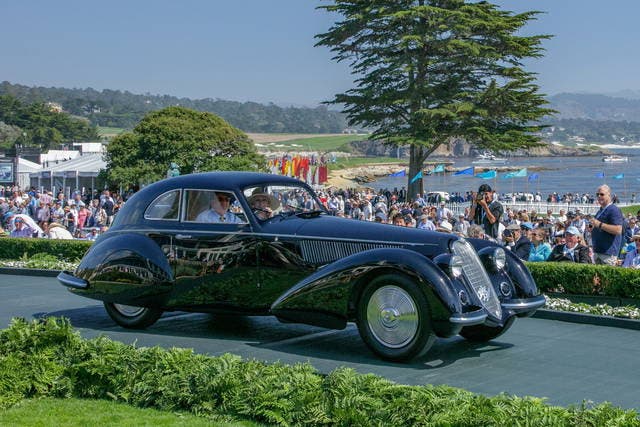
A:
{"x": 263, "y": 50}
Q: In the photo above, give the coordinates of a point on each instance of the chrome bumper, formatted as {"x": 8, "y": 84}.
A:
{"x": 71, "y": 281}
{"x": 518, "y": 306}
{"x": 472, "y": 318}
{"x": 525, "y": 304}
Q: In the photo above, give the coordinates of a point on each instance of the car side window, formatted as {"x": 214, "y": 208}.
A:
{"x": 165, "y": 207}
{"x": 211, "y": 206}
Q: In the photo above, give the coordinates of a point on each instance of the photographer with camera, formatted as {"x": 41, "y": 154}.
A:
{"x": 487, "y": 212}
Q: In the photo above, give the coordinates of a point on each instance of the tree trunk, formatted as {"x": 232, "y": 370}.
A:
{"x": 416, "y": 159}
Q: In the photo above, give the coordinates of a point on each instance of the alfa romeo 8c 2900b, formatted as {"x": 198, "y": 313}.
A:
{"x": 259, "y": 244}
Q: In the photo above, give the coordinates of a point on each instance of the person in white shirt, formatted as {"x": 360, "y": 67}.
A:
{"x": 219, "y": 212}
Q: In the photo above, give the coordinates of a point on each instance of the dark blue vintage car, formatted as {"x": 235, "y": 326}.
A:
{"x": 260, "y": 244}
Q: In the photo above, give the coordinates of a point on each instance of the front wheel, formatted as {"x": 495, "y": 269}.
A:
{"x": 133, "y": 317}
{"x": 393, "y": 318}
{"x": 482, "y": 333}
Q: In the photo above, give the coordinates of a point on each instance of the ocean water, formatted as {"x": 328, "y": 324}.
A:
{"x": 559, "y": 174}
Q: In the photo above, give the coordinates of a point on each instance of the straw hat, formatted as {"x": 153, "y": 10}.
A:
{"x": 257, "y": 193}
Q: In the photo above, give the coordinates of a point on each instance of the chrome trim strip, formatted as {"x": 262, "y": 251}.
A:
{"x": 72, "y": 281}
{"x": 525, "y": 304}
{"x": 466, "y": 319}
{"x": 245, "y": 233}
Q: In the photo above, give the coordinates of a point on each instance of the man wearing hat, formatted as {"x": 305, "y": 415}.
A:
{"x": 425, "y": 223}
{"x": 572, "y": 250}
{"x": 263, "y": 204}
{"x": 443, "y": 212}
{"x": 515, "y": 237}
{"x": 487, "y": 212}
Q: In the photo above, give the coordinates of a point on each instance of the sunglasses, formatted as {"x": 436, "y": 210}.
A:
{"x": 601, "y": 194}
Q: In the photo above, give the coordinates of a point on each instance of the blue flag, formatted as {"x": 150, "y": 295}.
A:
{"x": 487, "y": 175}
{"x": 439, "y": 168}
{"x": 417, "y": 177}
{"x": 520, "y": 174}
{"x": 600, "y": 175}
{"x": 619, "y": 176}
{"x": 399, "y": 173}
{"x": 467, "y": 171}
{"x": 533, "y": 177}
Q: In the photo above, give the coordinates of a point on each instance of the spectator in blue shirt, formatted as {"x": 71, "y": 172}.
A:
{"x": 606, "y": 235}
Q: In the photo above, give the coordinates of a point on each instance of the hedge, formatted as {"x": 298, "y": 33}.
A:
{"x": 65, "y": 250}
{"x": 560, "y": 277}
{"x": 48, "y": 358}
{"x": 586, "y": 279}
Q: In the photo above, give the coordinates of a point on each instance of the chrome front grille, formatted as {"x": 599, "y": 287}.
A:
{"x": 323, "y": 252}
{"x": 477, "y": 278}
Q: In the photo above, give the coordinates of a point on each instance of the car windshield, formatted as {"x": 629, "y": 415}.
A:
{"x": 267, "y": 201}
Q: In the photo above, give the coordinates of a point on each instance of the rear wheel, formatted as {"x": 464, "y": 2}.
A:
{"x": 483, "y": 333}
{"x": 394, "y": 319}
{"x": 129, "y": 316}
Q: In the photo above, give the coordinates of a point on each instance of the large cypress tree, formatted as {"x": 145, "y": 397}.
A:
{"x": 427, "y": 71}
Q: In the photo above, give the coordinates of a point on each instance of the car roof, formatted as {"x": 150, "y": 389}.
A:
{"x": 227, "y": 180}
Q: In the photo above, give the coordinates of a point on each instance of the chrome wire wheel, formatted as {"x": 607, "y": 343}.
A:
{"x": 129, "y": 310}
{"x": 392, "y": 316}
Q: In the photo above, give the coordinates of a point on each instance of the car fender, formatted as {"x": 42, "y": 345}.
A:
{"x": 323, "y": 298}
{"x": 126, "y": 268}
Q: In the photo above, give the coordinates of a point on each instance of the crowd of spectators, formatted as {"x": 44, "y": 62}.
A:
{"x": 533, "y": 236}
{"x": 42, "y": 214}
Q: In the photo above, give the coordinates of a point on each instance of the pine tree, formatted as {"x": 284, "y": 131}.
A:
{"x": 427, "y": 71}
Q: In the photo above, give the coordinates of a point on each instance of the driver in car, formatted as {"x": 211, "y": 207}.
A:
{"x": 263, "y": 204}
{"x": 219, "y": 211}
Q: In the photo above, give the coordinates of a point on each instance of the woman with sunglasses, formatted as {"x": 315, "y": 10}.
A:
{"x": 540, "y": 250}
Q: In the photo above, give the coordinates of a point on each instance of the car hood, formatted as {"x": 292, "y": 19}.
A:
{"x": 326, "y": 226}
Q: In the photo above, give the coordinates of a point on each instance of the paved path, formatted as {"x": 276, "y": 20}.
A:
{"x": 563, "y": 362}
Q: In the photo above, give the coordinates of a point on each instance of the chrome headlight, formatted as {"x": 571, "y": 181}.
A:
{"x": 455, "y": 266}
{"x": 499, "y": 258}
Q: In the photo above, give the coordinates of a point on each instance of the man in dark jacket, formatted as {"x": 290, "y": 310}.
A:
{"x": 516, "y": 239}
{"x": 572, "y": 250}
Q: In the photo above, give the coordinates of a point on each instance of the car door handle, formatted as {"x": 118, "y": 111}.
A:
{"x": 183, "y": 236}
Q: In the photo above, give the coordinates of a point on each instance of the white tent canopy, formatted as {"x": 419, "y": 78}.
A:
{"x": 69, "y": 174}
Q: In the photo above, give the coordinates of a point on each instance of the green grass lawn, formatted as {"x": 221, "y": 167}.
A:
{"x": 109, "y": 132}
{"x": 82, "y": 412}
{"x": 318, "y": 143}
{"x": 353, "y": 162}
{"x": 633, "y": 209}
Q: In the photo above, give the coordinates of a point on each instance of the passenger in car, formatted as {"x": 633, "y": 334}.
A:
{"x": 263, "y": 204}
{"x": 219, "y": 211}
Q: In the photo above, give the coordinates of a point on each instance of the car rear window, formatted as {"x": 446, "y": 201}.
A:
{"x": 164, "y": 207}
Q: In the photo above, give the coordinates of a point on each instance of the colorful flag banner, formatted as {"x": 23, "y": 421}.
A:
{"x": 467, "y": 171}
{"x": 439, "y": 168}
{"x": 522, "y": 173}
{"x": 487, "y": 175}
{"x": 417, "y": 177}
{"x": 619, "y": 176}
{"x": 399, "y": 173}
{"x": 533, "y": 177}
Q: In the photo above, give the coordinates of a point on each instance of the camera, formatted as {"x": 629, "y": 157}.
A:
{"x": 480, "y": 195}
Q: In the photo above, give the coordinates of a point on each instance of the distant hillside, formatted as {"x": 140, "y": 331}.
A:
{"x": 114, "y": 108}
{"x": 595, "y": 107}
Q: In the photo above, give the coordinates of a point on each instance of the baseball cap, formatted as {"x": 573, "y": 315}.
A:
{"x": 573, "y": 230}
{"x": 526, "y": 226}
{"x": 484, "y": 188}
{"x": 513, "y": 227}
